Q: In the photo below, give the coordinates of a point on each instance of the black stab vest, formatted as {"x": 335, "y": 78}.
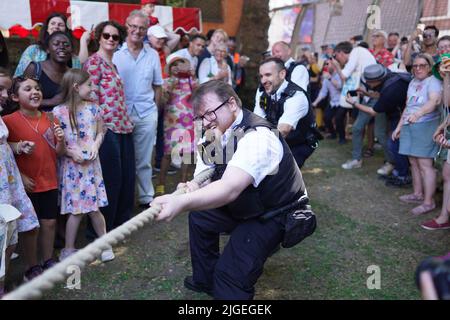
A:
{"x": 306, "y": 128}
{"x": 274, "y": 191}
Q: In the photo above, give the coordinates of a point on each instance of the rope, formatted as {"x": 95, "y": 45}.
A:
{"x": 46, "y": 281}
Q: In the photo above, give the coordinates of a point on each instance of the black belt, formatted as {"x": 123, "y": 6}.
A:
{"x": 300, "y": 202}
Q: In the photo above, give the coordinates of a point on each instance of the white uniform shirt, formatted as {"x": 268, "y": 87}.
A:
{"x": 295, "y": 107}
{"x": 258, "y": 153}
{"x": 300, "y": 75}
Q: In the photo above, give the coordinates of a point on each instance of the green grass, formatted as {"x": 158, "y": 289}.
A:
{"x": 360, "y": 223}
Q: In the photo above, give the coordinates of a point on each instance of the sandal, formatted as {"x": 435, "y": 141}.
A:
{"x": 422, "y": 209}
{"x": 368, "y": 153}
{"x": 411, "y": 198}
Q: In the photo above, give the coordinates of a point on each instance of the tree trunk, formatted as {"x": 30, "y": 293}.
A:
{"x": 253, "y": 38}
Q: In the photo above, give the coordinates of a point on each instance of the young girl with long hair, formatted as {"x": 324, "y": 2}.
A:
{"x": 81, "y": 181}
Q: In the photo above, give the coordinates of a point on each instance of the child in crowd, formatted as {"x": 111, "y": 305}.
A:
{"x": 178, "y": 119}
{"x": 35, "y": 140}
{"x": 81, "y": 181}
{"x": 13, "y": 193}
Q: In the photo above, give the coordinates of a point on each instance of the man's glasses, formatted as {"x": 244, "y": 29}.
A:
{"x": 428, "y": 35}
{"x": 135, "y": 27}
{"x": 106, "y": 36}
{"x": 211, "y": 115}
{"x": 420, "y": 66}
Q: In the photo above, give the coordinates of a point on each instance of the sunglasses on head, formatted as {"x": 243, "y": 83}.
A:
{"x": 106, "y": 36}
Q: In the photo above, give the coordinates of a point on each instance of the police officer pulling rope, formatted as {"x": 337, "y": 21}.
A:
{"x": 257, "y": 195}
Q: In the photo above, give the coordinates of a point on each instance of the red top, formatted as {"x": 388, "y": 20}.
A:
{"x": 384, "y": 57}
{"x": 41, "y": 164}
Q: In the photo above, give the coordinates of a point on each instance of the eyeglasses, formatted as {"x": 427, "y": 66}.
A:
{"x": 106, "y": 36}
{"x": 135, "y": 27}
{"x": 420, "y": 66}
{"x": 211, "y": 115}
{"x": 428, "y": 35}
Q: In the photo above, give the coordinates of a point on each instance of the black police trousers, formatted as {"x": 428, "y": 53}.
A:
{"x": 301, "y": 152}
{"x": 233, "y": 273}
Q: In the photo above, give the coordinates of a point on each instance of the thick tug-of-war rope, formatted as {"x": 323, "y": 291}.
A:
{"x": 36, "y": 287}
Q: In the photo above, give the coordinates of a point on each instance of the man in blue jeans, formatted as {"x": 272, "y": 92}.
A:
{"x": 393, "y": 89}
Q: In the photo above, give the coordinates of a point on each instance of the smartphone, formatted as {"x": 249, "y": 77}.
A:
{"x": 353, "y": 93}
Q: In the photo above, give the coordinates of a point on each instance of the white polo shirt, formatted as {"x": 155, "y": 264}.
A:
{"x": 295, "y": 107}
{"x": 300, "y": 75}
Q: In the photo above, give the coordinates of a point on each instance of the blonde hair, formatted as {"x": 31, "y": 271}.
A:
{"x": 70, "y": 96}
{"x": 223, "y": 32}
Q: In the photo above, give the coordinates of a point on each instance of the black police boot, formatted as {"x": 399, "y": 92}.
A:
{"x": 197, "y": 287}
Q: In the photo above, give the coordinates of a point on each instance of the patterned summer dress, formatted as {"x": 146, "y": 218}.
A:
{"x": 11, "y": 187}
{"x": 179, "y": 115}
{"x": 81, "y": 185}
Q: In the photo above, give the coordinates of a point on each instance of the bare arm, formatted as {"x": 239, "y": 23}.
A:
{"x": 213, "y": 195}
{"x": 158, "y": 95}
{"x": 172, "y": 40}
{"x": 83, "y": 55}
{"x": 284, "y": 129}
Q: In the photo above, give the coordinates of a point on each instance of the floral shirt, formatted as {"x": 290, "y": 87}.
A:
{"x": 384, "y": 57}
{"x": 36, "y": 54}
{"x": 109, "y": 94}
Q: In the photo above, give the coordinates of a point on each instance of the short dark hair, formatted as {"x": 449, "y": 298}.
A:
{"x": 443, "y": 38}
{"x": 222, "y": 90}
{"x": 102, "y": 25}
{"x": 432, "y": 27}
{"x": 394, "y": 34}
{"x": 278, "y": 62}
{"x": 18, "y": 80}
{"x": 345, "y": 47}
{"x": 357, "y": 38}
{"x": 210, "y": 33}
{"x": 4, "y": 72}
{"x": 197, "y": 36}
{"x": 58, "y": 33}
{"x": 363, "y": 44}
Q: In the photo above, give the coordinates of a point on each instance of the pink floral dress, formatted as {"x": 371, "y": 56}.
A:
{"x": 12, "y": 191}
{"x": 81, "y": 185}
{"x": 179, "y": 115}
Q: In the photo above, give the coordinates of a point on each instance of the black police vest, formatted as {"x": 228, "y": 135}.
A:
{"x": 306, "y": 131}
{"x": 291, "y": 68}
{"x": 284, "y": 187}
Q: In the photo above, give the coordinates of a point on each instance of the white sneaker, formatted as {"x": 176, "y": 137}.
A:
{"x": 107, "y": 255}
{"x": 352, "y": 164}
{"x": 386, "y": 169}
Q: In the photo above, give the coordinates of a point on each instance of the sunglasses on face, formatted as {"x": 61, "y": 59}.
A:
{"x": 106, "y": 36}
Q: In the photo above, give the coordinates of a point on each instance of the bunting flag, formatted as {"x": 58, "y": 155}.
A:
{"x": 25, "y": 17}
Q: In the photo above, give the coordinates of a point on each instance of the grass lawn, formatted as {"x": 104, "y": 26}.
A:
{"x": 361, "y": 223}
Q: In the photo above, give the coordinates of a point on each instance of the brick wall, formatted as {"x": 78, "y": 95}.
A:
{"x": 435, "y": 8}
